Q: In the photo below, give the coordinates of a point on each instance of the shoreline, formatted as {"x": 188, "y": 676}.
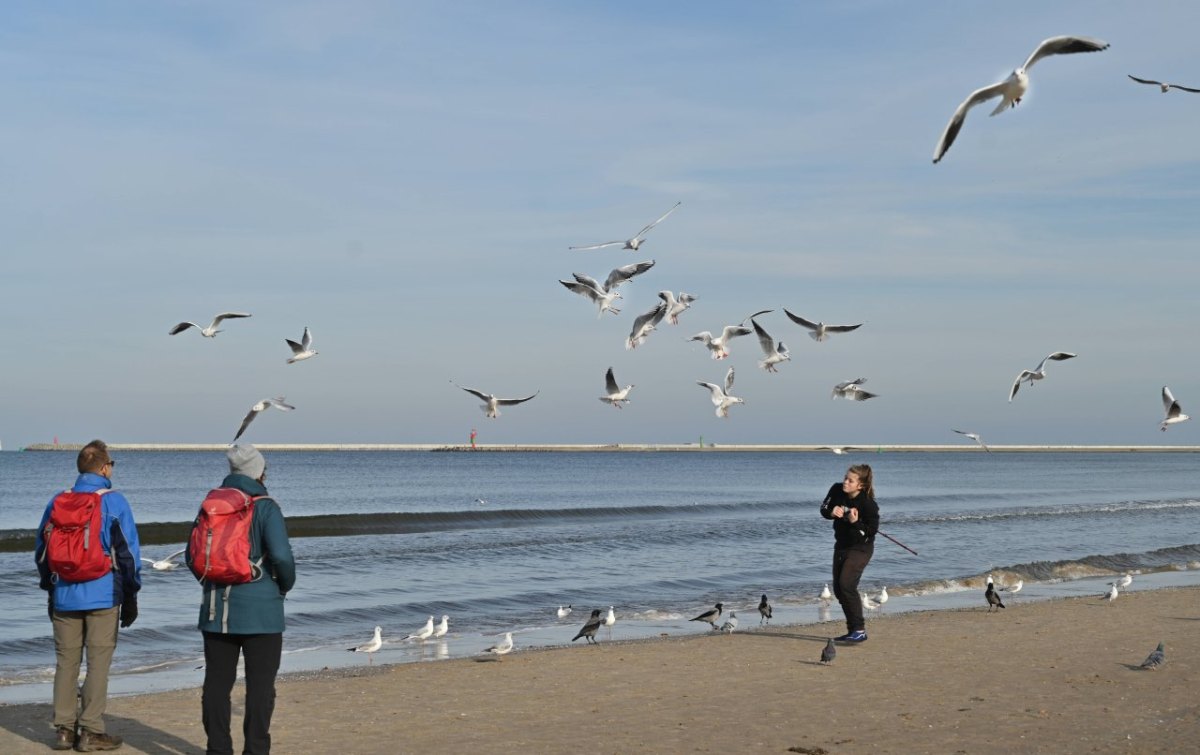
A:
{"x": 1057, "y": 675}
{"x": 626, "y": 448}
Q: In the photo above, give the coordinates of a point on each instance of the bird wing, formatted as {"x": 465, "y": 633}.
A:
{"x": 583, "y": 289}
{"x": 718, "y": 395}
{"x": 1059, "y": 356}
{"x": 1017, "y": 383}
{"x": 756, "y": 314}
{"x": 306, "y": 339}
{"x": 656, "y": 222}
{"x": 588, "y": 280}
{"x": 800, "y": 320}
{"x": 610, "y": 382}
{"x": 295, "y": 347}
{"x": 176, "y": 554}
{"x": 858, "y": 394}
{"x": 1145, "y": 81}
{"x": 245, "y": 423}
{"x": 729, "y": 381}
{"x": 227, "y": 316}
{"x": 623, "y": 274}
{"x": 1062, "y": 46}
{"x": 515, "y": 401}
{"x": 657, "y": 314}
{"x": 733, "y": 331}
{"x": 960, "y": 116}
{"x": 653, "y": 317}
{"x": 842, "y": 328}
{"x": 485, "y": 397}
{"x": 278, "y": 403}
{"x": 1186, "y": 89}
{"x": 182, "y": 327}
{"x": 764, "y": 339}
{"x": 667, "y": 297}
{"x": 597, "y": 246}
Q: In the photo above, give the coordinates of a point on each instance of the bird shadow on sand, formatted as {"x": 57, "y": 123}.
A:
{"x": 784, "y": 636}
{"x": 32, "y": 723}
{"x": 1132, "y": 666}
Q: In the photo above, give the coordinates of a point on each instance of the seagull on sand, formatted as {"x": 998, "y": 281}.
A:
{"x": 852, "y": 390}
{"x": 167, "y": 564}
{"x": 829, "y": 652}
{"x": 442, "y": 628}
{"x": 1161, "y": 84}
{"x": 975, "y": 437}
{"x": 1039, "y": 373}
{"x": 590, "y": 627}
{"x": 1175, "y": 415}
{"x": 993, "y": 598}
{"x": 883, "y": 595}
{"x": 1125, "y": 581}
{"x": 1012, "y": 89}
{"x": 302, "y": 350}
{"x": 773, "y": 353}
{"x": 825, "y": 594}
{"x": 258, "y": 408}
{"x": 370, "y": 647}
{"x": 504, "y": 647}
{"x": 764, "y": 611}
{"x": 634, "y": 242}
{"x": 1155, "y": 659}
{"x": 211, "y": 331}
{"x": 424, "y": 633}
{"x": 609, "y": 620}
{"x": 676, "y": 307}
{"x": 616, "y": 394}
{"x": 819, "y": 331}
{"x": 731, "y": 623}
{"x": 491, "y": 404}
{"x": 1111, "y": 595}
{"x": 644, "y": 325}
{"x": 711, "y": 615}
{"x": 721, "y": 397}
{"x": 564, "y": 612}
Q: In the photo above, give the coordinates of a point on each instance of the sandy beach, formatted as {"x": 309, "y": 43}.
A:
{"x": 1052, "y": 676}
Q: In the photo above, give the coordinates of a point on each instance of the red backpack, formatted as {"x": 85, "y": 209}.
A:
{"x": 72, "y": 537}
{"x": 219, "y": 547}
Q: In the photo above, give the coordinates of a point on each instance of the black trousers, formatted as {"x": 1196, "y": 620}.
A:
{"x": 848, "y": 566}
{"x": 261, "y": 653}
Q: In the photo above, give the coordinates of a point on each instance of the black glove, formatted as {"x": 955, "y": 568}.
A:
{"x": 50, "y": 605}
{"x": 128, "y": 612}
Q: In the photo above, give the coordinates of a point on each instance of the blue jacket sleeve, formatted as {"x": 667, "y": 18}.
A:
{"x": 278, "y": 549}
{"x": 39, "y": 549}
{"x": 126, "y": 548}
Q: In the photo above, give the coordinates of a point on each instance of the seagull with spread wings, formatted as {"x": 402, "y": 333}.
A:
{"x": 819, "y": 331}
{"x": 166, "y": 564}
{"x": 491, "y": 404}
{"x": 644, "y": 324}
{"x": 302, "y": 350}
{"x": 634, "y": 242}
{"x": 722, "y": 398}
{"x": 616, "y": 394}
{"x": 259, "y": 407}
{"x": 975, "y": 437}
{"x": 210, "y": 331}
{"x": 1164, "y": 86}
{"x": 1175, "y": 414}
{"x": 852, "y": 390}
{"x": 1012, "y": 89}
{"x": 1039, "y": 372}
{"x": 676, "y": 306}
{"x": 773, "y": 353}
{"x": 603, "y": 294}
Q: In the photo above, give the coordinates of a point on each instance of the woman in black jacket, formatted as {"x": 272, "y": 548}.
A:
{"x": 851, "y": 505}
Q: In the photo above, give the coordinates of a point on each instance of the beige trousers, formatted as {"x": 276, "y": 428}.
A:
{"x": 73, "y": 631}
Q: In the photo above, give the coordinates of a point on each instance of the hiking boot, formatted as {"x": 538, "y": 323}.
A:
{"x": 90, "y": 741}
{"x": 64, "y": 739}
{"x": 857, "y": 635}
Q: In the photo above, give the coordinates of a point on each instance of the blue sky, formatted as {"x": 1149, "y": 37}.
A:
{"x": 406, "y": 179}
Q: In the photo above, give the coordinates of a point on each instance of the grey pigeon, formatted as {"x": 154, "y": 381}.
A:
{"x": 764, "y": 610}
{"x": 1155, "y": 659}
{"x": 993, "y": 598}
{"x": 590, "y": 628}
{"x": 711, "y": 615}
{"x": 829, "y": 653}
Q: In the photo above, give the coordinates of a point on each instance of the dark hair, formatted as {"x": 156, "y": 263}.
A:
{"x": 93, "y": 457}
{"x": 863, "y": 472}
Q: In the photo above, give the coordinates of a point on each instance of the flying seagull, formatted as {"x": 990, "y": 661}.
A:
{"x": 1161, "y": 84}
{"x": 602, "y": 299}
{"x": 1012, "y": 89}
{"x": 504, "y": 647}
{"x": 975, "y": 437}
{"x": 838, "y": 450}
{"x": 644, "y": 325}
{"x": 167, "y": 564}
{"x": 819, "y": 331}
{"x": 491, "y": 404}
{"x": 731, "y": 623}
{"x": 634, "y": 242}
{"x": 616, "y": 395}
{"x": 302, "y": 350}
{"x": 424, "y": 633}
{"x": 261, "y": 406}
{"x": 370, "y": 647}
{"x": 1175, "y": 415}
{"x": 711, "y": 615}
{"x": 676, "y": 306}
{"x": 590, "y": 627}
{"x": 829, "y": 652}
{"x": 852, "y": 390}
{"x": 1155, "y": 659}
{"x": 764, "y": 611}
{"x": 993, "y": 598}
{"x": 719, "y": 346}
{"x": 603, "y": 294}
{"x": 211, "y": 331}
{"x": 721, "y": 397}
{"x": 773, "y": 353}
{"x": 1039, "y": 373}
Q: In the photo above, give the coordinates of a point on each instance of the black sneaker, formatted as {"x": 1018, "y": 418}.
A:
{"x": 64, "y": 739}
{"x": 90, "y": 741}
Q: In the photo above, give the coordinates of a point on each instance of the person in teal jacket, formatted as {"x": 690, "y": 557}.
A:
{"x": 247, "y": 618}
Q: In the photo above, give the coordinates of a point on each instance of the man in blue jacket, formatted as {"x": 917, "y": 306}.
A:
{"x": 247, "y": 618}
{"x": 86, "y": 614}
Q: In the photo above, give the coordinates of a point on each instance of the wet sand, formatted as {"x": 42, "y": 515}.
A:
{"x": 1053, "y": 676}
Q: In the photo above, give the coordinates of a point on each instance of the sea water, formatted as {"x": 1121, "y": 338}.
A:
{"x": 499, "y": 540}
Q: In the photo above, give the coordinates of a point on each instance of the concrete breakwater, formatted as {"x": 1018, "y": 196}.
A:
{"x": 625, "y": 447}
